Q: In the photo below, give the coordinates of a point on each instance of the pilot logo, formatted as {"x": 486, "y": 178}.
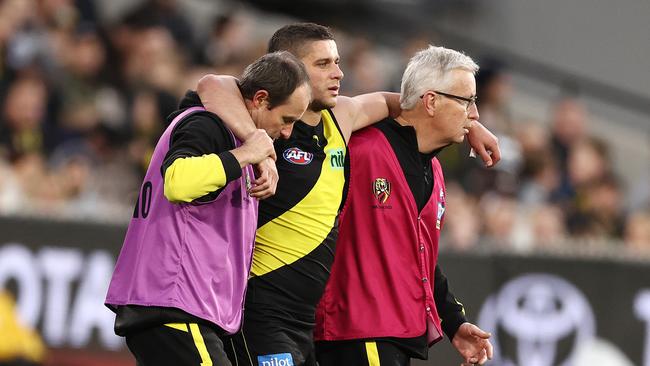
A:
{"x": 296, "y": 156}
{"x": 381, "y": 189}
{"x": 279, "y": 359}
{"x": 337, "y": 158}
{"x": 537, "y": 320}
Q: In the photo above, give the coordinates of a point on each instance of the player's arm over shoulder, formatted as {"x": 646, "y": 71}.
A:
{"x": 355, "y": 113}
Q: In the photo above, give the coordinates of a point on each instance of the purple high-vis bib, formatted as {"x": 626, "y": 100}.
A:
{"x": 194, "y": 257}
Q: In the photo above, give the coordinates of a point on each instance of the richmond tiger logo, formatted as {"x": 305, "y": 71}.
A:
{"x": 381, "y": 190}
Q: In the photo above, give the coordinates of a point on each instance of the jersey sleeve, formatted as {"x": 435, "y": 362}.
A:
{"x": 199, "y": 164}
{"x": 450, "y": 310}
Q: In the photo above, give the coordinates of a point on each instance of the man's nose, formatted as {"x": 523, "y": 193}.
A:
{"x": 338, "y": 73}
{"x": 472, "y": 113}
{"x": 285, "y": 132}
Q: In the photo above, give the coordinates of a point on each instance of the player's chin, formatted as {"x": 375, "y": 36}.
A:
{"x": 460, "y": 138}
{"x": 329, "y": 101}
{"x": 323, "y": 103}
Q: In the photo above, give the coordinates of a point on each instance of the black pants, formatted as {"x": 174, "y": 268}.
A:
{"x": 244, "y": 350}
{"x": 177, "y": 344}
{"x": 360, "y": 353}
{"x": 272, "y": 337}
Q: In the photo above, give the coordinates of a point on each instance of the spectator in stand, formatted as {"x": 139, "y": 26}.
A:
{"x": 81, "y": 83}
{"x": 548, "y": 226}
{"x": 229, "y": 44}
{"x": 503, "y": 213}
{"x": 22, "y": 129}
{"x": 603, "y": 207}
{"x": 366, "y": 68}
{"x": 539, "y": 176}
{"x": 494, "y": 92}
{"x": 463, "y": 220}
{"x": 568, "y": 127}
{"x": 148, "y": 113}
{"x": 587, "y": 164}
{"x": 166, "y": 14}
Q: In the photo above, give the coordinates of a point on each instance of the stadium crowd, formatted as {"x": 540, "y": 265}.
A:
{"x": 83, "y": 102}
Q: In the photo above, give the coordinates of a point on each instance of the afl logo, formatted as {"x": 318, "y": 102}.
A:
{"x": 296, "y": 156}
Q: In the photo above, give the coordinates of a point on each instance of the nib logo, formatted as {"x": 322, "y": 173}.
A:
{"x": 337, "y": 158}
{"x": 280, "y": 359}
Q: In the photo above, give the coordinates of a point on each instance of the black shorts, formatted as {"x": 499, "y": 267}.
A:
{"x": 271, "y": 337}
{"x": 177, "y": 344}
{"x": 361, "y": 353}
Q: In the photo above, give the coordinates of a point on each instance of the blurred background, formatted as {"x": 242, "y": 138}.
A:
{"x": 550, "y": 250}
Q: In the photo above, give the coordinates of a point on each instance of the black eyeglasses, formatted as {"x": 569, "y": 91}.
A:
{"x": 468, "y": 102}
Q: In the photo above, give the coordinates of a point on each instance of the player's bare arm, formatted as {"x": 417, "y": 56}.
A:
{"x": 363, "y": 110}
{"x": 484, "y": 143}
{"x": 221, "y": 96}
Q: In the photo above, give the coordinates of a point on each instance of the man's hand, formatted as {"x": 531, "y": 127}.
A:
{"x": 484, "y": 143}
{"x": 257, "y": 147}
{"x": 267, "y": 179}
{"x": 473, "y": 344}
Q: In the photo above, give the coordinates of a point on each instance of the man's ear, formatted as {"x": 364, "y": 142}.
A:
{"x": 430, "y": 103}
{"x": 261, "y": 98}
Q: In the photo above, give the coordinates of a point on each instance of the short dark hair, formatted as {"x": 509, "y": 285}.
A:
{"x": 293, "y": 37}
{"x": 279, "y": 73}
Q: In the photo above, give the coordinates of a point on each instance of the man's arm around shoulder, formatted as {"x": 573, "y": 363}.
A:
{"x": 363, "y": 110}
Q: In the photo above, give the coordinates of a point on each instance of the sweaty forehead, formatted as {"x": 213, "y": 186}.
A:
{"x": 316, "y": 50}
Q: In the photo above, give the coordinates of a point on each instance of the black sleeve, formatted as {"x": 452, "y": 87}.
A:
{"x": 201, "y": 134}
{"x": 451, "y": 311}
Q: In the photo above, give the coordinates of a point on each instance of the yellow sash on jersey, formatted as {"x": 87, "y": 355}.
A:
{"x": 301, "y": 228}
